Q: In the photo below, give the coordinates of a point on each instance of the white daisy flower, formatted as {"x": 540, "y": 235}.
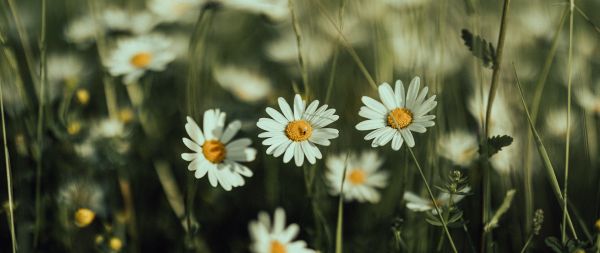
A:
{"x": 132, "y": 57}
{"x": 275, "y": 237}
{"x": 136, "y": 22}
{"x": 64, "y": 73}
{"x": 108, "y": 128}
{"x": 556, "y": 122}
{"x": 246, "y": 85}
{"x": 176, "y": 10}
{"x": 460, "y": 147}
{"x": 273, "y": 9}
{"x": 588, "y": 99}
{"x": 216, "y": 153}
{"x": 362, "y": 176}
{"x": 398, "y": 116}
{"x": 82, "y": 30}
{"x": 418, "y": 204}
{"x": 296, "y": 132}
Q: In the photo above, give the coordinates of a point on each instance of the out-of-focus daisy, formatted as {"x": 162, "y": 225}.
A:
{"x": 418, "y": 204}
{"x": 296, "y": 132}
{"x": 460, "y": 147}
{"x": 108, "y": 128}
{"x": 132, "y": 57}
{"x": 362, "y": 176}
{"x": 556, "y": 122}
{"x": 588, "y": 99}
{"x": 315, "y": 50}
{"x": 398, "y": 116}
{"x": 176, "y": 10}
{"x": 65, "y": 72}
{"x": 81, "y": 195}
{"x": 275, "y": 237}
{"x": 215, "y": 151}
{"x": 246, "y": 85}
{"x": 273, "y": 9}
{"x": 82, "y": 30}
{"x": 136, "y": 22}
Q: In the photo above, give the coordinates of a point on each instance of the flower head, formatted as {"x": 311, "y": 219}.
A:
{"x": 134, "y": 56}
{"x": 176, "y": 10}
{"x": 246, "y": 85}
{"x": 275, "y": 237}
{"x": 295, "y": 133}
{"x": 361, "y": 179}
{"x": 398, "y": 116}
{"x": 460, "y": 147}
{"x": 216, "y": 153}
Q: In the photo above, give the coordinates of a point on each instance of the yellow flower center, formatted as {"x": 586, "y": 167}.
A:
{"x": 115, "y": 244}
{"x": 277, "y": 247}
{"x": 84, "y": 217}
{"x": 597, "y": 225}
{"x": 357, "y": 176}
{"x": 74, "y": 127}
{"x": 141, "y": 60}
{"x": 399, "y": 118}
{"x": 83, "y": 96}
{"x": 214, "y": 151}
{"x": 298, "y": 130}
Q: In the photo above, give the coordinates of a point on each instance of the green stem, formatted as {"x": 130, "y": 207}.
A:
{"x": 347, "y": 45}
{"x": 301, "y": 62}
{"x": 549, "y": 169}
{"x": 340, "y": 218}
{"x": 486, "y": 237}
{"x": 524, "y": 249}
{"x": 40, "y": 127}
{"x": 433, "y": 200}
{"x": 11, "y": 205}
{"x": 568, "y": 137}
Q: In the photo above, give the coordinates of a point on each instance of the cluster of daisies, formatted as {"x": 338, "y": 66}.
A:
{"x": 296, "y": 131}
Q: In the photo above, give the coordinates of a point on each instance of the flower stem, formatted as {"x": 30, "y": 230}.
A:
{"x": 40, "y": 127}
{"x": 437, "y": 208}
{"x": 568, "y": 135}
{"x": 301, "y": 62}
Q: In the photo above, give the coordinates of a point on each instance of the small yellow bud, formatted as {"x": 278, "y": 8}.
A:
{"x": 84, "y": 217}
{"x": 115, "y": 244}
{"x": 99, "y": 239}
{"x": 74, "y": 127}
{"x": 597, "y": 225}
{"x": 83, "y": 96}
{"x": 126, "y": 115}
{"x": 579, "y": 251}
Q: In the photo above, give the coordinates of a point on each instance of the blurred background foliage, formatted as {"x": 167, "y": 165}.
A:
{"x": 104, "y": 150}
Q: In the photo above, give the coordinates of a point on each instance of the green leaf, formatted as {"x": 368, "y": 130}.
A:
{"x": 496, "y": 143}
{"x": 554, "y": 244}
{"x": 480, "y": 48}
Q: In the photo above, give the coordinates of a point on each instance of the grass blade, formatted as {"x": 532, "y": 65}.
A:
{"x": 549, "y": 169}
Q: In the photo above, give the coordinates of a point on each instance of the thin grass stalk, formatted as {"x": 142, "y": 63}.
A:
{"x": 40, "y": 127}
{"x": 11, "y": 205}
{"x": 347, "y": 45}
{"x": 335, "y": 54}
{"x": 433, "y": 200}
{"x": 486, "y": 237}
{"x": 24, "y": 41}
{"x": 568, "y": 137}
{"x": 537, "y": 97}
{"x": 544, "y": 156}
{"x": 340, "y": 218}
{"x": 529, "y": 239}
{"x": 301, "y": 63}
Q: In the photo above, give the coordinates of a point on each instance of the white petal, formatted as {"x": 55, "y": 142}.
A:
{"x": 413, "y": 91}
{"x": 399, "y": 92}
{"x": 370, "y": 124}
{"x": 374, "y": 105}
{"x": 230, "y": 131}
{"x": 298, "y": 155}
{"x": 397, "y": 141}
{"x": 277, "y": 116}
{"x": 298, "y": 107}
{"x": 192, "y": 145}
{"x": 270, "y": 125}
{"x": 408, "y": 137}
{"x": 289, "y": 152}
{"x": 194, "y": 131}
{"x": 285, "y": 108}
{"x": 387, "y": 96}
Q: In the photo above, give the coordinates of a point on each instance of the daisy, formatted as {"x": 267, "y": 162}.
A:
{"x": 82, "y": 30}
{"x": 246, "y": 85}
{"x": 65, "y": 72}
{"x": 460, "y": 147}
{"x": 134, "y": 56}
{"x": 117, "y": 19}
{"x": 296, "y": 132}
{"x": 556, "y": 122}
{"x": 398, "y": 116}
{"x": 589, "y": 99}
{"x": 176, "y": 10}
{"x": 214, "y": 152}
{"x": 418, "y": 204}
{"x": 273, "y": 9}
{"x": 362, "y": 176}
{"x": 275, "y": 237}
